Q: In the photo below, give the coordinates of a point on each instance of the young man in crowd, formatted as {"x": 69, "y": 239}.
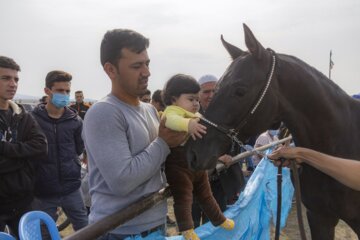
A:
{"x": 156, "y": 100}
{"x": 80, "y": 106}
{"x": 146, "y": 97}
{"x": 21, "y": 144}
{"x": 58, "y": 176}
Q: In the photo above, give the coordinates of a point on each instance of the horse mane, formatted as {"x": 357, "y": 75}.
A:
{"x": 315, "y": 74}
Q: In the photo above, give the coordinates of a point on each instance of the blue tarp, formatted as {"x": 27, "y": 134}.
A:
{"x": 253, "y": 211}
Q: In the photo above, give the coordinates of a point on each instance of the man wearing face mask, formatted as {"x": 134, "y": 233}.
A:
{"x": 58, "y": 176}
{"x": 265, "y": 138}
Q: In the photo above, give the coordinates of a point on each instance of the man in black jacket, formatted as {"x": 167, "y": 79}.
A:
{"x": 58, "y": 176}
{"x": 21, "y": 142}
{"x": 80, "y": 106}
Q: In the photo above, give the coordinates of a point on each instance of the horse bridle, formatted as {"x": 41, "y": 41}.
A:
{"x": 234, "y": 132}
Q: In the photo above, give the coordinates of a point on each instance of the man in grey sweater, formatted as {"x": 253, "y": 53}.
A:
{"x": 125, "y": 143}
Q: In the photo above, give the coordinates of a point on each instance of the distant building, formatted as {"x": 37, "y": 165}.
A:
{"x": 20, "y": 98}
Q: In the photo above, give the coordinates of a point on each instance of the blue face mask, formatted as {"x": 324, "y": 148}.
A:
{"x": 273, "y": 132}
{"x": 60, "y": 100}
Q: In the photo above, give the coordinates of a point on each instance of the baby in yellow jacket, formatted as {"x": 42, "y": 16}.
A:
{"x": 181, "y": 96}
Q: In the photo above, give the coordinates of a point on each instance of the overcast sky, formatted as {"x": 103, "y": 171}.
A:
{"x": 44, "y": 35}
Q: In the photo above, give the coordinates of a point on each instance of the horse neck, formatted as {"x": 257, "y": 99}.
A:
{"x": 316, "y": 111}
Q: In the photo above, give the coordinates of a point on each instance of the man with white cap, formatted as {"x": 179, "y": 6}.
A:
{"x": 207, "y": 88}
{"x": 225, "y": 185}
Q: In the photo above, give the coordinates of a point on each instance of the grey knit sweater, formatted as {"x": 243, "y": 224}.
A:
{"x": 125, "y": 161}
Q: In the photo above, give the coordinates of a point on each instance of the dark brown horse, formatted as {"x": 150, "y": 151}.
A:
{"x": 259, "y": 90}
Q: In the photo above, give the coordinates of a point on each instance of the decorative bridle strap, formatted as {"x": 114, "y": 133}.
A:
{"x": 233, "y": 132}
{"x": 264, "y": 91}
{"x": 267, "y": 83}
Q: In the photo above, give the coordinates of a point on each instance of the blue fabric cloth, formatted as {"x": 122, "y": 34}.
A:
{"x": 253, "y": 211}
{"x": 357, "y": 96}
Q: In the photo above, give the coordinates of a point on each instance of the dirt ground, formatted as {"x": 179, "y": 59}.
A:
{"x": 290, "y": 232}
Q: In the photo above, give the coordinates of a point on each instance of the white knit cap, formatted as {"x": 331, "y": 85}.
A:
{"x": 207, "y": 78}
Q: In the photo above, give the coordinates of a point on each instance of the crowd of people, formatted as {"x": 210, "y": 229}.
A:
{"x": 133, "y": 143}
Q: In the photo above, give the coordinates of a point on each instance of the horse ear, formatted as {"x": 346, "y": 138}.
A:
{"x": 254, "y": 46}
{"x": 234, "y": 52}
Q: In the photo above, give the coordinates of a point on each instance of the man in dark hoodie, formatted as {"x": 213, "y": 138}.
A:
{"x": 21, "y": 142}
{"x": 58, "y": 176}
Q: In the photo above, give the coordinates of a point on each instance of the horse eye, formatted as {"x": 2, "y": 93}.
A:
{"x": 240, "y": 91}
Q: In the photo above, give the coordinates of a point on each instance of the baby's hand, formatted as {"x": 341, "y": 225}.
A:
{"x": 196, "y": 129}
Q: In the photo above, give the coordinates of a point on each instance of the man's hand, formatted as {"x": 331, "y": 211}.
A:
{"x": 171, "y": 137}
{"x": 289, "y": 153}
{"x": 226, "y": 160}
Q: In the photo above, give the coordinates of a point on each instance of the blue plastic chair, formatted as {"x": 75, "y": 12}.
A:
{"x": 30, "y": 227}
{"x": 6, "y": 236}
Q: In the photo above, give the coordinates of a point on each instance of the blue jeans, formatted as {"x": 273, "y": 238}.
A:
{"x": 72, "y": 204}
{"x": 111, "y": 236}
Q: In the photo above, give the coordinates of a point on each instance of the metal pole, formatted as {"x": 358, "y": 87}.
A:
{"x": 330, "y": 65}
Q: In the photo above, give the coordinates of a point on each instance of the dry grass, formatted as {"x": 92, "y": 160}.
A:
{"x": 67, "y": 231}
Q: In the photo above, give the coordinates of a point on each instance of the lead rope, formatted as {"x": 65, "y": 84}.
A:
{"x": 297, "y": 193}
{"x": 298, "y": 200}
{"x": 279, "y": 197}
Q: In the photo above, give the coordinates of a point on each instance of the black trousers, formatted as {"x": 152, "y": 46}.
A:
{"x": 12, "y": 220}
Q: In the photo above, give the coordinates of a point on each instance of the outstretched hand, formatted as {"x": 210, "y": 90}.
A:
{"x": 171, "y": 137}
{"x": 288, "y": 153}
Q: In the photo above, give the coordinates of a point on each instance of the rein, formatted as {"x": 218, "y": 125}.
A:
{"x": 231, "y": 133}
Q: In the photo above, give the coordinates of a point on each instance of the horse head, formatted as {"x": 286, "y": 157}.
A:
{"x": 245, "y": 94}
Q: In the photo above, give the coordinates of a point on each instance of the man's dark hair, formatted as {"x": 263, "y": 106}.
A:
{"x": 115, "y": 40}
{"x": 6, "y": 62}
{"x": 177, "y": 85}
{"x": 147, "y": 92}
{"x": 78, "y": 91}
{"x": 57, "y": 76}
{"x": 43, "y": 99}
{"x": 156, "y": 97}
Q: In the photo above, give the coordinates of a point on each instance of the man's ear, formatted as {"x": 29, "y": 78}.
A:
{"x": 47, "y": 91}
{"x": 110, "y": 70}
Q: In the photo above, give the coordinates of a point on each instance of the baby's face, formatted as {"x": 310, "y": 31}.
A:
{"x": 188, "y": 101}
